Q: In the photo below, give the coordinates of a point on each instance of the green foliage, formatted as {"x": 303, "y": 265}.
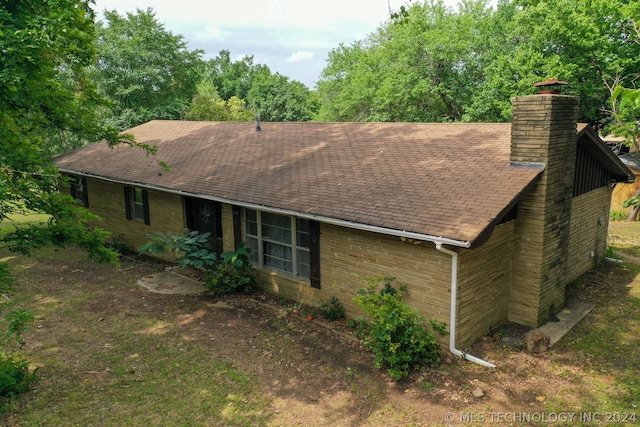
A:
{"x": 143, "y": 69}
{"x": 232, "y": 78}
{"x": 18, "y": 323}
{"x": 207, "y": 105}
{"x": 232, "y": 275}
{"x": 617, "y": 215}
{"x": 422, "y": 66}
{"x": 192, "y": 249}
{"x": 631, "y": 202}
{"x": 611, "y": 252}
{"x": 431, "y": 63}
{"x": 15, "y": 377}
{"x": 6, "y": 279}
{"x": 277, "y": 99}
{"x": 42, "y": 41}
{"x": 332, "y": 310}
{"x": 397, "y": 337}
{"x": 625, "y": 108}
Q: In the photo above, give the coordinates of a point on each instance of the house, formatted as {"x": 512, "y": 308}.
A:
{"x": 485, "y": 223}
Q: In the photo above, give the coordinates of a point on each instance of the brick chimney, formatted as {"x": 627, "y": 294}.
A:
{"x": 543, "y": 131}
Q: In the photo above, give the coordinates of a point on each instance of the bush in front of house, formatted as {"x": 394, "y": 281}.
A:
{"x": 332, "y": 310}
{"x": 396, "y": 334}
{"x": 191, "y": 248}
{"x": 233, "y": 273}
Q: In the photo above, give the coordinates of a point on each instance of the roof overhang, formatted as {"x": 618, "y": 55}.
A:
{"x": 328, "y": 220}
{"x": 595, "y": 146}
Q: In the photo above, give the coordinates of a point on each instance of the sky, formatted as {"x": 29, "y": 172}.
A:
{"x": 291, "y": 37}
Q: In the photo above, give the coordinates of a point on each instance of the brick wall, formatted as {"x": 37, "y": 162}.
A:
{"x": 106, "y": 199}
{"x": 484, "y": 284}
{"x": 589, "y": 226}
{"x": 543, "y": 130}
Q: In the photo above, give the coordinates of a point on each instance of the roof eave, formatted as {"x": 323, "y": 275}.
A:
{"x": 328, "y": 220}
{"x": 607, "y": 158}
{"x": 486, "y": 233}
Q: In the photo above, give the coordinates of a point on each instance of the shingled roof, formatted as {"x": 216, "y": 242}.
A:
{"x": 444, "y": 181}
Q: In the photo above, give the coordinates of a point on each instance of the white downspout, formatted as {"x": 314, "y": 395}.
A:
{"x": 454, "y": 300}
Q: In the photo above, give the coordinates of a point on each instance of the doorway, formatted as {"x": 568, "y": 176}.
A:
{"x": 204, "y": 216}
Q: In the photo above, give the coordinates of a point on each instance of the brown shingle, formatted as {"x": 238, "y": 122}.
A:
{"x": 444, "y": 180}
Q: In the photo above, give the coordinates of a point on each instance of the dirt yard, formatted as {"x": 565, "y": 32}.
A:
{"x": 93, "y": 322}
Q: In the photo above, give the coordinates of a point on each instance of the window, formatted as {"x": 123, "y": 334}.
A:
{"x": 79, "y": 190}
{"x": 283, "y": 243}
{"x": 136, "y": 202}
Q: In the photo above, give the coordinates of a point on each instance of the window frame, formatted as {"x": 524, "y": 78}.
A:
{"x": 137, "y": 197}
{"x": 255, "y": 240}
{"x": 78, "y": 189}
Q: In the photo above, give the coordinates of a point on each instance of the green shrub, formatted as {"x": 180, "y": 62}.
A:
{"x": 14, "y": 376}
{"x": 233, "y": 274}
{"x": 332, "y": 310}
{"x": 617, "y": 215}
{"x": 18, "y": 322}
{"x": 397, "y": 337}
{"x": 191, "y": 248}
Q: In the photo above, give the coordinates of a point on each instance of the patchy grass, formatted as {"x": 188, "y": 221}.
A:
{"x": 17, "y": 220}
{"x": 111, "y": 353}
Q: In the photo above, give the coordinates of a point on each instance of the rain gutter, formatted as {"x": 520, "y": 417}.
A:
{"x": 454, "y": 305}
{"x": 438, "y": 240}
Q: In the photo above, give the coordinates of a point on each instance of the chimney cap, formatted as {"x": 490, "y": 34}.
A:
{"x": 550, "y": 82}
{"x": 549, "y": 86}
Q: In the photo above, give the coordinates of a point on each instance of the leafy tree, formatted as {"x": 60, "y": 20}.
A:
{"x": 146, "y": 71}
{"x": 207, "y": 105}
{"x": 41, "y": 39}
{"x": 232, "y": 78}
{"x": 277, "y": 99}
{"x": 421, "y": 66}
{"x": 431, "y": 63}
{"x": 273, "y": 96}
{"x": 584, "y": 42}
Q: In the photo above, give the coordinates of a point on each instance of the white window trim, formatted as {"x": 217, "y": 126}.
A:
{"x": 293, "y": 244}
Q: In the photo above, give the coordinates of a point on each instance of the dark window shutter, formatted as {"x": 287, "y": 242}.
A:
{"x": 314, "y": 253}
{"x": 73, "y": 189}
{"x": 85, "y": 193}
{"x": 237, "y": 227}
{"x": 145, "y": 207}
{"x": 128, "y": 209}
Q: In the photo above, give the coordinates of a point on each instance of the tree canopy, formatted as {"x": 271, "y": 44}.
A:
{"x": 40, "y": 41}
{"x": 433, "y": 63}
{"x": 145, "y": 71}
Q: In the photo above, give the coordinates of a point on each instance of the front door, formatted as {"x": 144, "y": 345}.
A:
{"x": 205, "y": 216}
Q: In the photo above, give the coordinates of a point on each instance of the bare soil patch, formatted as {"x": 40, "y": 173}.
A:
{"x": 310, "y": 373}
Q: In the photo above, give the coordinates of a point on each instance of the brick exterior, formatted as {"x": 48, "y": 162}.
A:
{"x": 543, "y": 130}
{"x": 589, "y": 225}
{"x": 106, "y": 199}
{"x": 518, "y": 274}
{"x": 484, "y": 283}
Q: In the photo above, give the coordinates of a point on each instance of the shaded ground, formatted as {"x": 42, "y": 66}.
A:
{"x": 90, "y": 337}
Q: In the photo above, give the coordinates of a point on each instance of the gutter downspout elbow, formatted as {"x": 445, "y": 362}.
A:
{"x": 453, "y": 315}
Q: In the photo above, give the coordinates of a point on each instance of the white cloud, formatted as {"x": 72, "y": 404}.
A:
{"x": 300, "y": 56}
{"x": 207, "y": 34}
